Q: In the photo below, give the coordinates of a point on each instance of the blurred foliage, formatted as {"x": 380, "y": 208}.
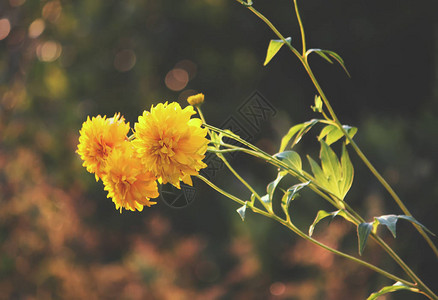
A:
{"x": 60, "y": 238}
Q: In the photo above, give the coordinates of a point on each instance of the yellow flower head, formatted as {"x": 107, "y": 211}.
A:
{"x": 126, "y": 180}
{"x": 170, "y": 143}
{"x": 196, "y": 100}
{"x": 98, "y": 137}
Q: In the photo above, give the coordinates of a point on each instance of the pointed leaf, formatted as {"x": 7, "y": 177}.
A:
{"x": 321, "y": 53}
{"x": 325, "y": 131}
{"x": 319, "y": 175}
{"x": 323, "y": 214}
{"x": 413, "y": 220}
{"x": 332, "y": 133}
{"x": 290, "y": 134}
{"x": 338, "y": 59}
{"x": 319, "y": 216}
{"x": 363, "y": 231}
{"x": 331, "y": 168}
{"x": 389, "y": 221}
{"x": 393, "y": 288}
{"x": 318, "y": 104}
{"x": 292, "y": 193}
{"x": 273, "y": 48}
{"x": 298, "y": 131}
{"x": 347, "y": 172}
{"x": 266, "y": 200}
{"x": 253, "y": 197}
{"x": 334, "y": 55}
{"x": 270, "y": 189}
{"x": 291, "y": 159}
{"x": 351, "y": 131}
{"x": 242, "y": 211}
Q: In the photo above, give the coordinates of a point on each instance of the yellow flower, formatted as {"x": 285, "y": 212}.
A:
{"x": 98, "y": 137}
{"x": 126, "y": 180}
{"x": 170, "y": 144}
{"x": 196, "y": 100}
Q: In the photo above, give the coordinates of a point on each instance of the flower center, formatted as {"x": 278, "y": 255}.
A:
{"x": 166, "y": 148}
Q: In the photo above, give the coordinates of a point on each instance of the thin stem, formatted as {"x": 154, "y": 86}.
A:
{"x": 303, "y": 235}
{"x": 379, "y": 177}
{"x": 243, "y": 181}
{"x": 365, "y": 159}
{"x": 303, "y": 37}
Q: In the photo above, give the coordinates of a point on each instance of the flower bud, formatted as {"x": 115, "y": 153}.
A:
{"x": 196, "y": 100}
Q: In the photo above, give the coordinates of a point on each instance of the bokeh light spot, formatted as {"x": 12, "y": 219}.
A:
{"x": 277, "y": 288}
{"x": 48, "y": 51}
{"x": 176, "y": 79}
{"x": 189, "y": 66}
{"x": 5, "y": 28}
{"x": 125, "y": 60}
{"x": 52, "y": 11}
{"x": 36, "y": 28}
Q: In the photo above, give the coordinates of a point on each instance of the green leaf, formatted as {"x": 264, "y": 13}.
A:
{"x": 319, "y": 175}
{"x": 334, "y": 55}
{"x": 390, "y": 221}
{"x": 248, "y": 3}
{"x": 253, "y": 197}
{"x": 292, "y": 193}
{"x": 291, "y": 159}
{"x": 323, "y": 214}
{"x": 347, "y": 172}
{"x": 270, "y": 189}
{"x": 319, "y": 216}
{"x": 242, "y": 211}
{"x": 363, "y": 231}
{"x": 392, "y": 288}
{"x": 335, "y": 177}
{"x": 318, "y": 104}
{"x": 332, "y": 133}
{"x": 413, "y": 220}
{"x": 331, "y": 168}
{"x": 273, "y": 48}
{"x": 321, "y": 53}
{"x": 298, "y": 131}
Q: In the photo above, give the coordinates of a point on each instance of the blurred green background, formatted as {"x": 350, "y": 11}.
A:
{"x": 60, "y": 61}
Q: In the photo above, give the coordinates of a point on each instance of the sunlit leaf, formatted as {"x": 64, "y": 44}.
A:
{"x": 253, "y": 197}
{"x": 331, "y": 168}
{"x": 291, "y": 159}
{"x": 323, "y": 214}
{"x": 296, "y": 131}
{"x": 390, "y": 221}
{"x": 292, "y": 193}
{"x": 318, "y": 104}
{"x": 319, "y": 175}
{"x": 392, "y": 288}
{"x": 333, "y": 176}
{"x": 334, "y": 55}
{"x": 363, "y": 231}
{"x": 319, "y": 216}
{"x": 347, "y": 172}
{"x": 321, "y": 53}
{"x": 332, "y": 133}
{"x": 242, "y": 211}
{"x": 273, "y": 48}
{"x": 413, "y": 220}
{"x": 270, "y": 189}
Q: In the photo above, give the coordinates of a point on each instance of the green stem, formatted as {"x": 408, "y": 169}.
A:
{"x": 303, "y": 37}
{"x": 350, "y": 212}
{"x": 365, "y": 159}
{"x": 303, "y": 235}
{"x": 243, "y": 181}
